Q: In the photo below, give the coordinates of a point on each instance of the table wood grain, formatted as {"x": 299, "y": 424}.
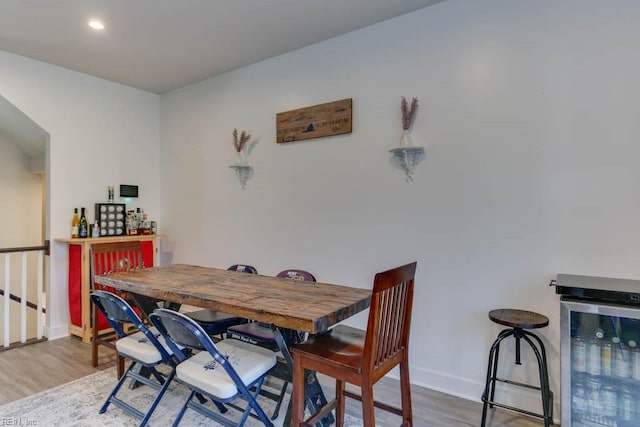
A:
{"x": 305, "y": 306}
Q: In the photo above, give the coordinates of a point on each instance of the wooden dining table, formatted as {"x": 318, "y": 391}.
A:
{"x": 286, "y": 304}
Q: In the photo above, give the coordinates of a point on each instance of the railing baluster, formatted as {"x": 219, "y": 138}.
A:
{"x": 22, "y": 297}
{"x": 23, "y": 302}
{"x": 39, "y": 292}
{"x": 7, "y": 293}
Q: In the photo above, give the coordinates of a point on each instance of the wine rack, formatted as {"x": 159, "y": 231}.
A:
{"x": 112, "y": 218}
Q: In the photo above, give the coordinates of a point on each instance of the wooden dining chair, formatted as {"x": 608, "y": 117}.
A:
{"x": 109, "y": 258}
{"x": 362, "y": 357}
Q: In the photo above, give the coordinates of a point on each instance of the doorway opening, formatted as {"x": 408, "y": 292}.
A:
{"x": 24, "y": 171}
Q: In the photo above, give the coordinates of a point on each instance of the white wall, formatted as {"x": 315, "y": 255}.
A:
{"x": 101, "y": 134}
{"x": 21, "y": 192}
{"x": 528, "y": 112}
{"x": 21, "y": 225}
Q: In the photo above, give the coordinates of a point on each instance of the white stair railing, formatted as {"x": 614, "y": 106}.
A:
{"x": 19, "y": 293}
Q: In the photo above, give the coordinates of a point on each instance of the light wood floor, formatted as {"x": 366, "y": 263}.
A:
{"x": 30, "y": 369}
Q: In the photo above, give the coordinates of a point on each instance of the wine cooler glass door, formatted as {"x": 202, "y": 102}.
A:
{"x": 600, "y": 364}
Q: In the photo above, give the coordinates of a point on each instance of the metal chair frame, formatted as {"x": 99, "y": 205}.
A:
{"x": 180, "y": 330}
{"x": 118, "y": 311}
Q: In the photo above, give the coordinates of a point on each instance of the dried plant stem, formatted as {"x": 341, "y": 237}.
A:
{"x": 408, "y": 113}
{"x": 239, "y": 143}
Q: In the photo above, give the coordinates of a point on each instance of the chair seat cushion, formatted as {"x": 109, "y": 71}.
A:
{"x": 342, "y": 345}
{"x": 253, "y": 333}
{"x": 137, "y": 346}
{"x": 203, "y": 372}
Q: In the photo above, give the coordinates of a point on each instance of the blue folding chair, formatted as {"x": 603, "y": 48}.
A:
{"x": 217, "y": 322}
{"x": 224, "y": 371}
{"x": 145, "y": 348}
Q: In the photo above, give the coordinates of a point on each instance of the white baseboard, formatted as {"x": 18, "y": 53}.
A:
{"x": 463, "y": 388}
{"x": 55, "y": 332}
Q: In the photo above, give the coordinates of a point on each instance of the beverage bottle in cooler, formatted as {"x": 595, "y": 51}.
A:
{"x": 626, "y": 405}
{"x": 609, "y": 397}
{"x": 579, "y": 354}
{"x": 620, "y": 358}
{"x": 634, "y": 360}
{"x": 606, "y": 359}
{"x": 594, "y": 353}
{"x": 594, "y": 400}
{"x": 579, "y": 400}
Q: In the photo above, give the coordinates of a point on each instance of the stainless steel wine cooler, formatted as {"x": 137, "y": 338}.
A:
{"x": 600, "y": 351}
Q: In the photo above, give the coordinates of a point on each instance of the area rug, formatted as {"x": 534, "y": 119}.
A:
{"x": 77, "y": 404}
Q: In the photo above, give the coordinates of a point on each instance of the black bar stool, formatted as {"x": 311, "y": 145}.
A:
{"x": 518, "y": 321}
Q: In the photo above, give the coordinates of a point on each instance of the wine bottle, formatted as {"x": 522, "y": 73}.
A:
{"x": 83, "y": 227}
{"x": 75, "y": 222}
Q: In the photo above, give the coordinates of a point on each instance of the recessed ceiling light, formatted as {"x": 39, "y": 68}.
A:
{"x": 96, "y": 25}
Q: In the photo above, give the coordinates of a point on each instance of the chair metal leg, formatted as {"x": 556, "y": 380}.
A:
{"x": 253, "y": 405}
{"x": 541, "y": 357}
{"x": 485, "y": 394}
{"x": 283, "y": 392}
{"x": 116, "y": 389}
{"x": 163, "y": 389}
{"x": 492, "y": 369}
{"x": 501, "y": 336}
{"x": 183, "y": 410}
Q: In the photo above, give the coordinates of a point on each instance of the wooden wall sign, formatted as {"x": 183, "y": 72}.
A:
{"x": 332, "y": 118}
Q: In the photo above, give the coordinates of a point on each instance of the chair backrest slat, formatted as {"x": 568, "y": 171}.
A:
{"x": 108, "y": 258}
{"x": 389, "y": 316}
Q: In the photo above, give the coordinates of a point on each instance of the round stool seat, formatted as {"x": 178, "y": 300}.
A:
{"x": 522, "y": 319}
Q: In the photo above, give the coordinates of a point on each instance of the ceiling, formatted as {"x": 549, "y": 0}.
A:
{"x": 161, "y": 45}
